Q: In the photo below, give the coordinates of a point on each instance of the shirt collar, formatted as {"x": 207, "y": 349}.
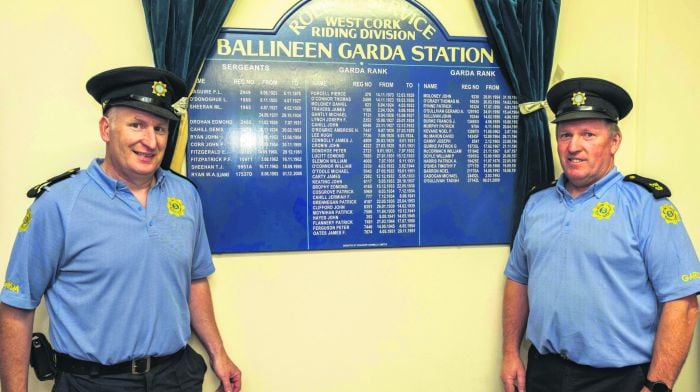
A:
{"x": 108, "y": 184}
{"x": 597, "y": 189}
{"x": 160, "y": 177}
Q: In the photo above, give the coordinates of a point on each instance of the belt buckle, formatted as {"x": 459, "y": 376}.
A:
{"x": 141, "y": 365}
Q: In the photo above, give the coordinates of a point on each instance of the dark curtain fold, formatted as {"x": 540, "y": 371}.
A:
{"x": 182, "y": 32}
{"x": 522, "y": 33}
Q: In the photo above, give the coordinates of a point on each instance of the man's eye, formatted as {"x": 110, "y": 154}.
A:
{"x": 135, "y": 125}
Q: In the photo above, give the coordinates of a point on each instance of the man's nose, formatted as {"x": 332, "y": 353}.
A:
{"x": 574, "y": 144}
{"x": 149, "y": 138}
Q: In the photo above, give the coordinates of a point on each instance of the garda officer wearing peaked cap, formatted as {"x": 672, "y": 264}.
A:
{"x": 145, "y": 88}
{"x": 606, "y": 303}
{"x": 103, "y": 246}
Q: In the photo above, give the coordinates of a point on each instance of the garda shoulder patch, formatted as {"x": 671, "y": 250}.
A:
{"x": 657, "y": 188}
{"x": 540, "y": 187}
{"x": 26, "y": 221}
{"x": 670, "y": 214}
{"x": 14, "y": 287}
{"x": 37, "y": 190}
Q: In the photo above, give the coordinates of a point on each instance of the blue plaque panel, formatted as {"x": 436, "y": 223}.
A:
{"x": 352, "y": 124}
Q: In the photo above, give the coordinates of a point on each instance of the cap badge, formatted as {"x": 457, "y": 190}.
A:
{"x": 160, "y": 88}
{"x": 579, "y": 98}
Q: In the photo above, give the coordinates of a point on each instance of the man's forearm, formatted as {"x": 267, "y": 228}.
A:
{"x": 673, "y": 338}
{"x": 202, "y": 315}
{"x": 15, "y": 340}
{"x": 515, "y": 311}
{"x": 204, "y": 325}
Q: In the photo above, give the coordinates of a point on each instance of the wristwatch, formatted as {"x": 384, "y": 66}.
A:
{"x": 656, "y": 386}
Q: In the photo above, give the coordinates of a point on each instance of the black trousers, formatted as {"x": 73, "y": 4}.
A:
{"x": 184, "y": 374}
{"x": 552, "y": 373}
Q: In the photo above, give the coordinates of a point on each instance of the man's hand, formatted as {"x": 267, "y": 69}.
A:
{"x": 513, "y": 373}
{"x": 228, "y": 373}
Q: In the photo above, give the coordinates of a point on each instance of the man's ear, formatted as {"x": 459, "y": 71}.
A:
{"x": 104, "y": 128}
{"x": 616, "y": 141}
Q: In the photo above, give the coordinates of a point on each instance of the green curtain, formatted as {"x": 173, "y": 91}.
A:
{"x": 182, "y": 33}
{"x": 522, "y": 34}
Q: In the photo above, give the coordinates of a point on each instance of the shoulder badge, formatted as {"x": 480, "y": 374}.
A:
{"x": 540, "y": 187}
{"x": 656, "y": 188}
{"x": 37, "y": 190}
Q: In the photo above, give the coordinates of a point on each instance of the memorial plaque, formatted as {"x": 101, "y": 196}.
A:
{"x": 353, "y": 124}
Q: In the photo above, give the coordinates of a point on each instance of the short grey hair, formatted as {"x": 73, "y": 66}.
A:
{"x": 109, "y": 113}
{"x": 613, "y": 127}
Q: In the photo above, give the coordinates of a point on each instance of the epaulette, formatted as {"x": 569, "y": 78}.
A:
{"x": 183, "y": 176}
{"x": 37, "y": 190}
{"x": 540, "y": 187}
{"x": 656, "y": 188}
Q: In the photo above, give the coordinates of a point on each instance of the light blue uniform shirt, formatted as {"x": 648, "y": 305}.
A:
{"x": 116, "y": 276}
{"x": 597, "y": 268}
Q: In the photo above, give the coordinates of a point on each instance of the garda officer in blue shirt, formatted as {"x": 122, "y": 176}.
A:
{"x": 120, "y": 253}
{"x": 602, "y": 277}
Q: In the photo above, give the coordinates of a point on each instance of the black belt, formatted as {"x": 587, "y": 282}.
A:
{"x": 68, "y": 364}
{"x": 562, "y": 358}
